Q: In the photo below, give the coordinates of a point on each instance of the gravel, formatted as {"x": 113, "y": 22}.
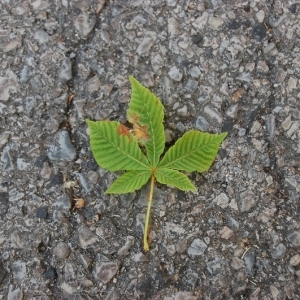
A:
{"x": 217, "y": 66}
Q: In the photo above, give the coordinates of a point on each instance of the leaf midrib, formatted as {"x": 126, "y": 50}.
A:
{"x": 152, "y": 131}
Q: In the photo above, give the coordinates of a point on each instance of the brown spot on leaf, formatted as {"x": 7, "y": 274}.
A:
{"x": 140, "y": 131}
{"x": 123, "y": 130}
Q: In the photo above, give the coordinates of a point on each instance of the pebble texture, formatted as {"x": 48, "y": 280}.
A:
{"x": 217, "y": 66}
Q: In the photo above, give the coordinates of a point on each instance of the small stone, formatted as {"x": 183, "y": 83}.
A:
{"x": 50, "y": 273}
{"x": 214, "y": 266}
{"x": 247, "y": 201}
{"x": 62, "y": 202}
{"x": 237, "y": 263}
{"x": 172, "y": 3}
{"x": 8, "y": 85}
{"x": 286, "y": 124}
{"x": 197, "y": 38}
{"x": 41, "y": 36}
{"x": 85, "y": 183}
{"x": 94, "y": 84}
{"x": 201, "y": 21}
{"x": 270, "y": 49}
{"x": 270, "y": 124}
{"x": 259, "y": 31}
{"x": 182, "y": 111}
{"x": 181, "y": 246}
{"x": 294, "y": 238}
{"x": 234, "y": 24}
{"x": 281, "y": 74}
{"x": 84, "y": 24}
{"x": 232, "y": 111}
{"x": 294, "y": 261}
{"x": 86, "y": 237}
{"x": 215, "y": 23}
{"x": 139, "y": 257}
{"x": 195, "y": 72}
{"x": 279, "y": 251}
{"x": 65, "y": 71}
{"x": 175, "y": 74}
{"x": 197, "y": 247}
{"x": 191, "y": 85}
{"x": 19, "y": 270}
{"x": 173, "y": 26}
{"x": 213, "y": 114}
{"x": 13, "y": 44}
{"x": 147, "y": 43}
{"x": 62, "y": 148}
{"x": 67, "y": 290}
{"x": 249, "y": 259}
{"x": 185, "y": 296}
{"x": 266, "y": 215}
{"x": 292, "y": 84}
{"x": 262, "y": 66}
{"x": 224, "y": 89}
{"x": 42, "y": 212}
{"x": 129, "y": 243}
{"x": 222, "y": 200}
{"x": 260, "y": 15}
{"x": 226, "y": 233}
{"x": 61, "y": 250}
{"x": 274, "y": 291}
{"x": 202, "y": 124}
{"x": 16, "y": 294}
{"x": 4, "y": 138}
{"x": 40, "y": 5}
{"x": 106, "y": 271}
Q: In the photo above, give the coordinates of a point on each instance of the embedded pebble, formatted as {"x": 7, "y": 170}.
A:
{"x": 19, "y": 270}
{"x": 175, "y": 74}
{"x": 106, "y": 271}
{"x": 237, "y": 263}
{"x": 279, "y": 251}
{"x": 16, "y": 294}
{"x": 61, "y": 250}
{"x": 247, "y": 201}
{"x": 61, "y": 148}
{"x": 8, "y": 85}
{"x": 84, "y": 24}
{"x": 128, "y": 244}
{"x": 65, "y": 72}
{"x": 202, "y": 124}
{"x": 294, "y": 238}
{"x": 86, "y": 237}
{"x": 197, "y": 247}
{"x": 222, "y": 200}
{"x": 295, "y": 260}
{"x": 147, "y": 43}
{"x": 226, "y": 233}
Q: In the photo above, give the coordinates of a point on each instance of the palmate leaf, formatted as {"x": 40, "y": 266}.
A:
{"x": 115, "y": 148}
{"x": 129, "y": 182}
{"x": 146, "y": 114}
{"x": 174, "y": 178}
{"x": 195, "y": 151}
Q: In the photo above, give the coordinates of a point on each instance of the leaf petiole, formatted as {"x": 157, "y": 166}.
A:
{"x": 146, "y": 230}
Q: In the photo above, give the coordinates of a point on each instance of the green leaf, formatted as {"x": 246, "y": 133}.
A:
{"x": 115, "y": 148}
{"x": 146, "y": 114}
{"x": 194, "y": 151}
{"x": 174, "y": 178}
{"x": 129, "y": 182}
